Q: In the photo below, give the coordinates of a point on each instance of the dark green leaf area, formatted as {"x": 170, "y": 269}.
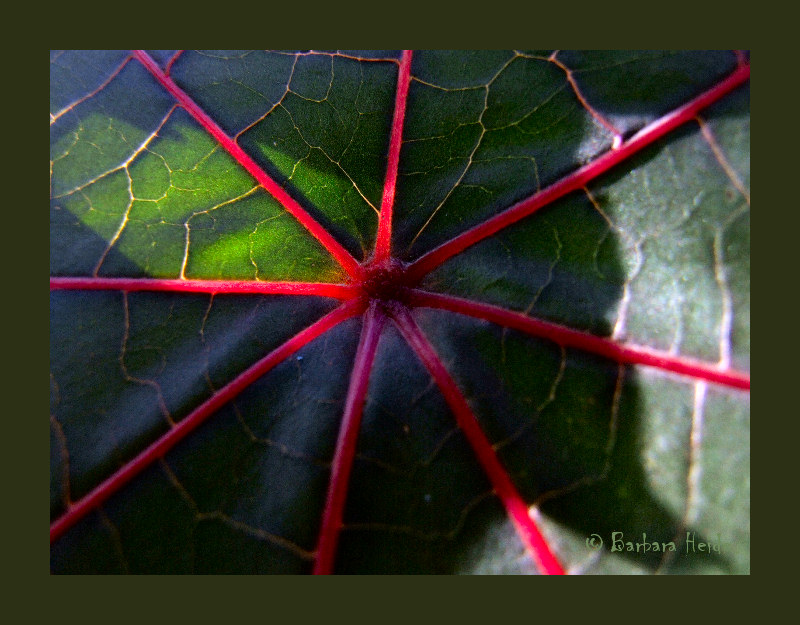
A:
{"x": 91, "y": 550}
{"x": 258, "y": 472}
{"x": 475, "y": 149}
{"x": 59, "y": 472}
{"x": 103, "y": 132}
{"x": 561, "y": 264}
{"x": 372, "y": 54}
{"x": 484, "y": 543}
{"x": 416, "y": 488}
{"x": 93, "y": 430}
{"x": 74, "y": 74}
{"x": 633, "y": 87}
{"x": 458, "y": 69}
{"x": 234, "y": 87}
{"x": 158, "y": 356}
{"x": 244, "y": 492}
{"x": 546, "y": 411}
{"x": 148, "y": 529}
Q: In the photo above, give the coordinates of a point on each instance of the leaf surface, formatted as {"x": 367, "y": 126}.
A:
{"x": 196, "y": 409}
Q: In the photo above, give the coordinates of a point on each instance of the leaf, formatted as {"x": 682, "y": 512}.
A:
{"x": 375, "y": 312}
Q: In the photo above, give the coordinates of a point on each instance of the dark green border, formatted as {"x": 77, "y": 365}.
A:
{"x": 400, "y": 597}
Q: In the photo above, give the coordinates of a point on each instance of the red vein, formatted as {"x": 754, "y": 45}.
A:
{"x": 383, "y": 241}
{"x": 172, "y": 60}
{"x": 516, "y": 508}
{"x": 346, "y": 443}
{"x": 630, "y": 354}
{"x": 278, "y": 192}
{"x": 160, "y": 447}
{"x": 580, "y": 177}
{"x": 339, "y": 291}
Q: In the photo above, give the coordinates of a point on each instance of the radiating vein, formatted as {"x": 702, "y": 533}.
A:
{"x": 383, "y": 240}
{"x": 516, "y": 508}
{"x": 346, "y": 443}
{"x": 338, "y": 291}
{"x": 161, "y": 446}
{"x": 568, "y": 337}
{"x": 336, "y": 250}
{"x": 580, "y": 177}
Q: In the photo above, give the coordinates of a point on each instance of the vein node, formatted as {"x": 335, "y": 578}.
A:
{"x": 386, "y": 282}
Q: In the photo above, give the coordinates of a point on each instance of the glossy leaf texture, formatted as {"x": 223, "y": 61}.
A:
{"x": 497, "y": 278}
